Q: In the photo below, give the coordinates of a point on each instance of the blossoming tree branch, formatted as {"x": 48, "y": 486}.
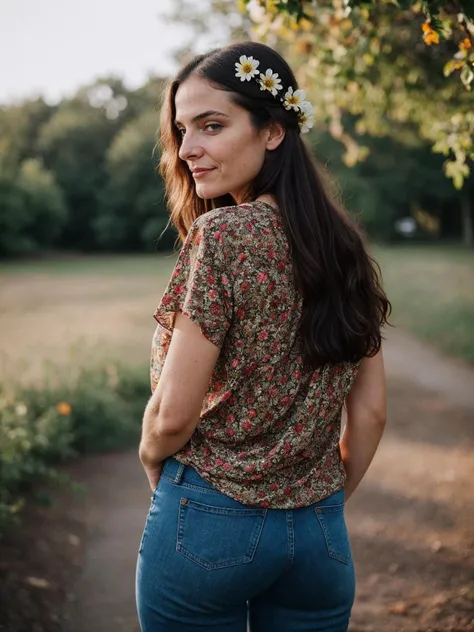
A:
{"x": 390, "y": 63}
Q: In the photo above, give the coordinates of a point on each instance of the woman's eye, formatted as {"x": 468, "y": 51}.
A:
{"x": 216, "y": 127}
{"x": 209, "y": 127}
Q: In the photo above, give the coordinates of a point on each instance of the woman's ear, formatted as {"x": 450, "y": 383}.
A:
{"x": 275, "y": 135}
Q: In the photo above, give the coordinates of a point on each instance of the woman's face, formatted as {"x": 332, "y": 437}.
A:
{"x": 222, "y": 149}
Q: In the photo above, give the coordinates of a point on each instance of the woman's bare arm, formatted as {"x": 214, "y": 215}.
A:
{"x": 173, "y": 411}
{"x": 366, "y": 416}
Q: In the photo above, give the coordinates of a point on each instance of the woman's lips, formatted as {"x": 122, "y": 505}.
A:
{"x": 200, "y": 173}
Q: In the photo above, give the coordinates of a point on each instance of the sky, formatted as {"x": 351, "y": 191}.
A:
{"x": 51, "y": 47}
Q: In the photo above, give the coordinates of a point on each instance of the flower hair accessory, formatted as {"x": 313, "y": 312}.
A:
{"x": 247, "y": 70}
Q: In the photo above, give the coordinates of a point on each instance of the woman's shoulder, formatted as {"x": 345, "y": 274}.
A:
{"x": 235, "y": 218}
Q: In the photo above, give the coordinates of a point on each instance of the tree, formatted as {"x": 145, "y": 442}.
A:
{"x": 81, "y": 174}
{"x": 19, "y": 129}
{"x": 388, "y": 63}
{"x": 73, "y": 144}
{"x": 393, "y": 182}
{"x": 32, "y": 209}
{"x": 133, "y": 213}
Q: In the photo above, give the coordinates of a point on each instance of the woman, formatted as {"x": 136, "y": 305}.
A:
{"x": 269, "y": 325}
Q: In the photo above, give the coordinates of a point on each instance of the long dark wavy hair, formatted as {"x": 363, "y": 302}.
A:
{"x": 344, "y": 305}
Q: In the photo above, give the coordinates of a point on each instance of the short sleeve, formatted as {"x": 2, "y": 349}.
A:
{"x": 200, "y": 286}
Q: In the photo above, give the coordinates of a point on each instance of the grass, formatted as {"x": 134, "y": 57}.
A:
{"x": 432, "y": 292}
{"x": 78, "y": 310}
{"x": 93, "y": 264}
{"x": 73, "y": 365}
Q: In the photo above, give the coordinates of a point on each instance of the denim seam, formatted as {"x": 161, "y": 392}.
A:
{"x": 142, "y": 540}
{"x": 321, "y": 509}
{"x": 145, "y": 528}
{"x": 327, "y": 538}
{"x": 291, "y": 538}
{"x": 223, "y": 510}
{"x": 179, "y": 474}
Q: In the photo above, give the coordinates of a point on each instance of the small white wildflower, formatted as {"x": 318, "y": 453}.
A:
{"x": 305, "y": 122}
{"x": 247, "y": 68}
{"x": 21, "y": 409}
{"x": 270, "y": 81}
{"x": 294, "y": 99}
{"x": 306, "y": 107}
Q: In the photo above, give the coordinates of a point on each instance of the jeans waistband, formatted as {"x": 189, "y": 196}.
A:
{"x": 177, "y": 472}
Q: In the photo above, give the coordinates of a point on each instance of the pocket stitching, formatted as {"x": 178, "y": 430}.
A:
{"x": 254, "y": 538}
{"x": 222, "y": 510}
{"x": 320, "y": 511}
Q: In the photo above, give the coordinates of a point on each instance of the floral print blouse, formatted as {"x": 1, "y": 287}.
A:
{"x": 269, "y": 428}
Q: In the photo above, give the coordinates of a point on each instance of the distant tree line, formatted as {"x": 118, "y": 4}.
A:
{"x": 81, "y": 176}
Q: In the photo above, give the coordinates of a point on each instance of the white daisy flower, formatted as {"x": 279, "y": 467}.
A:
{"x": 306, "y": 107}
{"x": 247, "y": 68}
{"x": 270, "y": 81}
{"x": 305, "y": 122}
{"x": 294, "y": 99}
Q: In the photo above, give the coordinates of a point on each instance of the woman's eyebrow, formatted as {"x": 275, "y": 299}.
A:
{"x": 198, "y": 117}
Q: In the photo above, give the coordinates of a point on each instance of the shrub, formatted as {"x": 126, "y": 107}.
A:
{"x": 94, "y": 409}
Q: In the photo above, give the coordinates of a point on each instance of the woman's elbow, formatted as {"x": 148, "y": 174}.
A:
{"x": 380, "y": 419}
{"x": 172, "y": 425}
{"x": 373, "y": 417}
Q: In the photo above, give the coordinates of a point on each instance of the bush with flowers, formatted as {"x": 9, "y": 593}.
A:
{"x": 86, "y": 410}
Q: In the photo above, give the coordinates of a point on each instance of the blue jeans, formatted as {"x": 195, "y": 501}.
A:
{"x": 207, "y": 562}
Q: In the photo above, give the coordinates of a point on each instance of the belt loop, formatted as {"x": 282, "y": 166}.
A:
{"x": 179, "y": 474}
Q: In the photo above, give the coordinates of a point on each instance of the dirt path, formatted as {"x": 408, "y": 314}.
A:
{"x": 411, "y": 521}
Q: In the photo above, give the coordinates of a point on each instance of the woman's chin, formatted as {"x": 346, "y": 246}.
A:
{"x": 209, "y": 193}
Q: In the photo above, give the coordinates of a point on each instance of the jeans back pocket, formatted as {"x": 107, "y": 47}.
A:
{"x": 333, "y": 525}
{"x": 216, "y": 537}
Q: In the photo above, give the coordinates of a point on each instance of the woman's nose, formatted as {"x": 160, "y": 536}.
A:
{"x": 189, "y": 148}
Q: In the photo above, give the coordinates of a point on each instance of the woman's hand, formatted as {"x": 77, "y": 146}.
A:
{"x": 153, "y": 474}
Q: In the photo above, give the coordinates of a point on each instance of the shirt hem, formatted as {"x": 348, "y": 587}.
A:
{"x": 266, "y": 503}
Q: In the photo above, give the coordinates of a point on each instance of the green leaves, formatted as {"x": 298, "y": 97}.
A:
{"x": 457, "y": 171}
{"x": 99, "y": 410}
{"x": 467, "y": 75}
{"x": 384, "y": 62}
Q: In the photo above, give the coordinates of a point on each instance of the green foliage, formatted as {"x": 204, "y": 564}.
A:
{"x": 452, "y": 22}
{"x": 32, "y": 209}
{"x": 393, "y": 182}
{"x": 19, "y": 126}
{"x": 73, "y": 143}
{"x": 133, "y": 210}
{"x": 386, "y": 63}
{"x": 44, "y": 200}
{"x": 103, "y": 192}
{"x": 85, "y": 410}
{"x": 14, "y": 218}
